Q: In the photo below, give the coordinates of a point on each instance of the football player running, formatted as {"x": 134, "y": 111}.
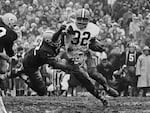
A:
{"x": 7, "y": 37}
{"x": 79, "y": 42}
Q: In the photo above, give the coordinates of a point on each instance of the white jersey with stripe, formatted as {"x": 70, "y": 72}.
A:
{"x": 79, "y": 43}
{"x": 81, "y": 39}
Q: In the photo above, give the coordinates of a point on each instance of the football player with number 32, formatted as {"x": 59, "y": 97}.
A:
{"x": 81, "y": 39}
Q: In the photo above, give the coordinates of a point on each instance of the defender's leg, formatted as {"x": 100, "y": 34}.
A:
{"x": 36, "y": 82}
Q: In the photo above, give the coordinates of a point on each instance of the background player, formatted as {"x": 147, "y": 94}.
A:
{"x": 7, "y": 38}
{"x": 129, "y": 59}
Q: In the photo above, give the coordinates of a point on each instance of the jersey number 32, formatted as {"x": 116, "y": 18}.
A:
{"x": 81, "y": 39}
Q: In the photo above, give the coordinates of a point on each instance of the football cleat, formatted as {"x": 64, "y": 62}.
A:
{"x": 105, "y": 102}
{"x": 101, "y": 98}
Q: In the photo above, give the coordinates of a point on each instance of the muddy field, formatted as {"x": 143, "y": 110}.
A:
{"x": 75, "y": 105}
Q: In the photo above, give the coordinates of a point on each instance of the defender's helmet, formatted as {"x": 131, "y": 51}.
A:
{"x": 82, "y": 18}
{"x": 9, "y": 19}
{"x": 47, "y": 36}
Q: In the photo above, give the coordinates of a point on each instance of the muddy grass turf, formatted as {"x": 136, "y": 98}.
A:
{"x": 75, "y": 105}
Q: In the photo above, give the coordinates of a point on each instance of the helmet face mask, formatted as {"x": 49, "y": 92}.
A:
{"x": 82, "y": 18}
{"x": 13, "y": 23}
{"x": 47, "y": 36}
{"x": 132, "y": 47}
{"x": 79, "y": 58}
{"x": 82, "y": 22}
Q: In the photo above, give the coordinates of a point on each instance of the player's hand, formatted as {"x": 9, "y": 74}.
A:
{"x": 124, "y": 66}
{"x": 62, "y": 27}
{"x": 70, "y": 30}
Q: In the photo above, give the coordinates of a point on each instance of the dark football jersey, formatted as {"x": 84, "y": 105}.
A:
{"x": 41, "y": 55}
{"x": 32, "y": 61}
{"x": 7, "y": 38}
{"x": 131, "y": 59}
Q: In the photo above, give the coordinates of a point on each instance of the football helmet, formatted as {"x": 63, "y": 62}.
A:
{"x": 79, "y": 57}
{"x": 47, "y": 36}
{"x": 82, "y": 18}
{"x": 132, "y": 47}
{"x": 10, "y": 20}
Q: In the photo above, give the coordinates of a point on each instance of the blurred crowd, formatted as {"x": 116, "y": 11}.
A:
{"x": 120, "y": 22}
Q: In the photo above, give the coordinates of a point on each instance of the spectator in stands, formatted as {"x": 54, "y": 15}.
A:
{"x": 7, "y": 6}
{"x": 142, "y": 71}
{"x": 134, "y": 26}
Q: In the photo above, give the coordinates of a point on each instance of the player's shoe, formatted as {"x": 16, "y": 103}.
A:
{"x": 112, "y": 92}
{"x": 102, "y": 98}
{"x": 105, "y": 102}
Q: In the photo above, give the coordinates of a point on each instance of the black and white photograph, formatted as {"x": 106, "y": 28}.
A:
{"x": 74, "y": 56}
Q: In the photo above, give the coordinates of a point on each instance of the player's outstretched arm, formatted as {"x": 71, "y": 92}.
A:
{"x": 56, "y": 35}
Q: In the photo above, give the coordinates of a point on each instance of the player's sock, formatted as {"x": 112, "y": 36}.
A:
{"x": 102, "y": 98}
